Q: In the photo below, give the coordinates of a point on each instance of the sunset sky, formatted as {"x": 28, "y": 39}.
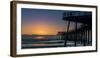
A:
{"x": 42, "y": 22}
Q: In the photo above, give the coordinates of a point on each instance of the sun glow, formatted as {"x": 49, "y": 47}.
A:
{"x": 41, "y": 28}
{"x": 40, "y": 32}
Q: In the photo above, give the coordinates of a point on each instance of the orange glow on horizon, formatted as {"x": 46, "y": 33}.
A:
{"x": 40, "y": 32}
{"x": 43, "y": 30}
{"x": 40, "y": 29}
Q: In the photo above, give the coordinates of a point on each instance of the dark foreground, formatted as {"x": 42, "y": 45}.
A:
{"x": 47, "y": 41}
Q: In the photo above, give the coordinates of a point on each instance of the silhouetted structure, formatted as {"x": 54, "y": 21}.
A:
{"x": 81, "y": 35}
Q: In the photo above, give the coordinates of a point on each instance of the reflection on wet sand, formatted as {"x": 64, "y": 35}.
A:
{"x": 39, "y": 37}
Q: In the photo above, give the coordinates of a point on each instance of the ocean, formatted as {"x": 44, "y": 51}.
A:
{"x": 46, "y": 41}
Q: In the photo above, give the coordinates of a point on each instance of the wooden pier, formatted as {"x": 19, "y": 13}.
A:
{"x": 82, "y": 34}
